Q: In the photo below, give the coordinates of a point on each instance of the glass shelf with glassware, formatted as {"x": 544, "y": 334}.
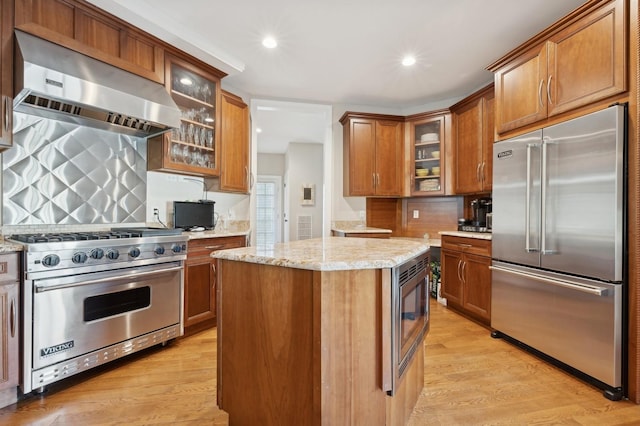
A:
{"x": 427, "y": 136}
{"x": 190, "y": 149}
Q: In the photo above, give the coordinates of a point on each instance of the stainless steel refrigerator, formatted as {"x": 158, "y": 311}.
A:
{"x": 558, "y": 244}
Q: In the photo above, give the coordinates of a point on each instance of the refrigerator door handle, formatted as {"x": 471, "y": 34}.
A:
{"x": 527, "y": 218}
{"x": 543, "y": 202}
{"x": 584, "y": 288}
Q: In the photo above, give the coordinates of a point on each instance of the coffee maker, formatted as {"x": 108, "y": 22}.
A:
{"x": 480, "y": 207}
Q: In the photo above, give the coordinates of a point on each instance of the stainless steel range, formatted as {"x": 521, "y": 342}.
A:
{"x": 90, "y": 298}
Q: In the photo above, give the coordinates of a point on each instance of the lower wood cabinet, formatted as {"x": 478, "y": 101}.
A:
{"x": 200, "y": 281}
{"x": 466, "y": 277}
{"x": 9, "y": 328}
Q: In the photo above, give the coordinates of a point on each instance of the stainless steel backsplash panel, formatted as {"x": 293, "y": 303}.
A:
{"x": 61, "y": 173}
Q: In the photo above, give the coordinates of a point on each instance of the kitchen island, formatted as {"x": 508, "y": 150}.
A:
{"x": 304, "y": 333}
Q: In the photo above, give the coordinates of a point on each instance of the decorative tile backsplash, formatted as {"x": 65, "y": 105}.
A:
{"x": 63, "y": 174}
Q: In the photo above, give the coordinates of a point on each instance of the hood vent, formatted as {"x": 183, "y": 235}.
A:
{"x": 58, "y": 83}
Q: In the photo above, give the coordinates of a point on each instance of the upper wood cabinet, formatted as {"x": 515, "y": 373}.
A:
{"x": 428, "y": 141}
{"x": 578, "y": 61}
{"x": 373, "y": 154}
{"x": 193, "y": 148}
{"x": 6, "y": 74}
{"x": 86, "y": 29}
{"x": 473, "y": 124}
{"x": 235, "y": 172}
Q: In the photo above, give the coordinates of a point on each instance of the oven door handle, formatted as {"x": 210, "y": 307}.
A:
{"x": 43, "y": 288}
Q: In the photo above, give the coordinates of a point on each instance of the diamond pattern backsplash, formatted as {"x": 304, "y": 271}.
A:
{"x": 60, "y": 173}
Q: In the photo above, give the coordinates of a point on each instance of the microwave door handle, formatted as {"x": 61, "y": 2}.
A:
{"x": 527, "y": 217}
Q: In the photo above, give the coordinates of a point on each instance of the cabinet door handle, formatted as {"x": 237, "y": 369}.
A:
{"x": 482, "y": 176}
{"x": 478, "y": 178}
{"x": 459, "y": 273}
{"x": 6, "y": 114}
{"x": 219, "y": 246}
{"x": 464, "y": 273}
{"x": 213, "y": 271}
{"x": 13, "y": 314}
{"x": 549, "y": 89}
{"x": 540, "y": 93}
{"x": 373, "y": 177}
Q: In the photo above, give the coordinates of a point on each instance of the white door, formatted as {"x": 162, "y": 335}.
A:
{"x": 268, "y": 210}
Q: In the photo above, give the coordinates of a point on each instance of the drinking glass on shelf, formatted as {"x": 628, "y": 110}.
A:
{"x": 191, "y": 131}
{"x": 206, "y": 93}
{"x": 176, "y": 153}
{"x": 210, "y": 138}
{"x": 185, "y": 155}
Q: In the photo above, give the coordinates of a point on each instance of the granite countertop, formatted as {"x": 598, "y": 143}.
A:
{"x": 361, "y": 229}
{"x": 9, "y": 246}
{"x": 433, "y": 242}
{"x": 331, "y": 253}
{"x": 216, "y": 233}
{"x": 465, "y": 234}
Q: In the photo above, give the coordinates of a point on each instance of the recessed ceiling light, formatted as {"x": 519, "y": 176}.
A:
{"x": 186, "y": 81}
{"x": 408, "y": 60}
{"x": 269, "y": 42}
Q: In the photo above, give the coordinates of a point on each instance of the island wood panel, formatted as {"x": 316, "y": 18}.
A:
{"x": 298, "y": 346}
{"x": 401, "y": 405}
{"x": 347, "y": 306}
{"x": 265, "y": 344}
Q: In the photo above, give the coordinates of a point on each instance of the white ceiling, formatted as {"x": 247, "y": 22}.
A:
{"x": 346, "y": 51}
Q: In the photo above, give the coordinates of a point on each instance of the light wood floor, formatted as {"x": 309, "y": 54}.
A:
{"x": 470, "y": 379}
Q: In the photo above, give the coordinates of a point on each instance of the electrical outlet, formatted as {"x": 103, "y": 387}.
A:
{"x": 156, "y": 212}
{"x": 416, "y": 214}
{"x": 362, "y": 215}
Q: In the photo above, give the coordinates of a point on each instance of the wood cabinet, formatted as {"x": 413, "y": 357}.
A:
{"x": 466, "y": 277}
{"x": 373, "y": 154}
{"x": 473, "y": 126}
{"x": 580, "y": 60}
{"x": 193, "y": 148}
{"x": 200, "y": 281}
{"x": 6, "y": 74}
{"x": 428, "y": 134}
{"x": 235, "y": 146}
{"x": 87, "y": 29}
{"x": 9, "y": 327}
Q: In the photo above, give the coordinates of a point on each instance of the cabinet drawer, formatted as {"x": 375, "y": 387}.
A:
{"x": 467, "y": 245}
{"x": 204, "y": 246}
{"x": 9, "y": 267}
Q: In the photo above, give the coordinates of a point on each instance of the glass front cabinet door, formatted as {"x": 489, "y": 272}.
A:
{"x": 192, "y": 148}
{"x": 427, "y": 136}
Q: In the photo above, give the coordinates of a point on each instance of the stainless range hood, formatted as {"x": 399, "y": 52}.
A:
{"x": 55, "y": 82}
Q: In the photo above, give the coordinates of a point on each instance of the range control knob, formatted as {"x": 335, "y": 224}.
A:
{"x": 51, "y": 260}
{"x": 79, "y": 257}
{"x": 176, "y": 248}
{"x": 96, "y": 253}
{"x": 134, "y": 252}
{"x": 159, "y": 250}
{"x": 113, "y": 254}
